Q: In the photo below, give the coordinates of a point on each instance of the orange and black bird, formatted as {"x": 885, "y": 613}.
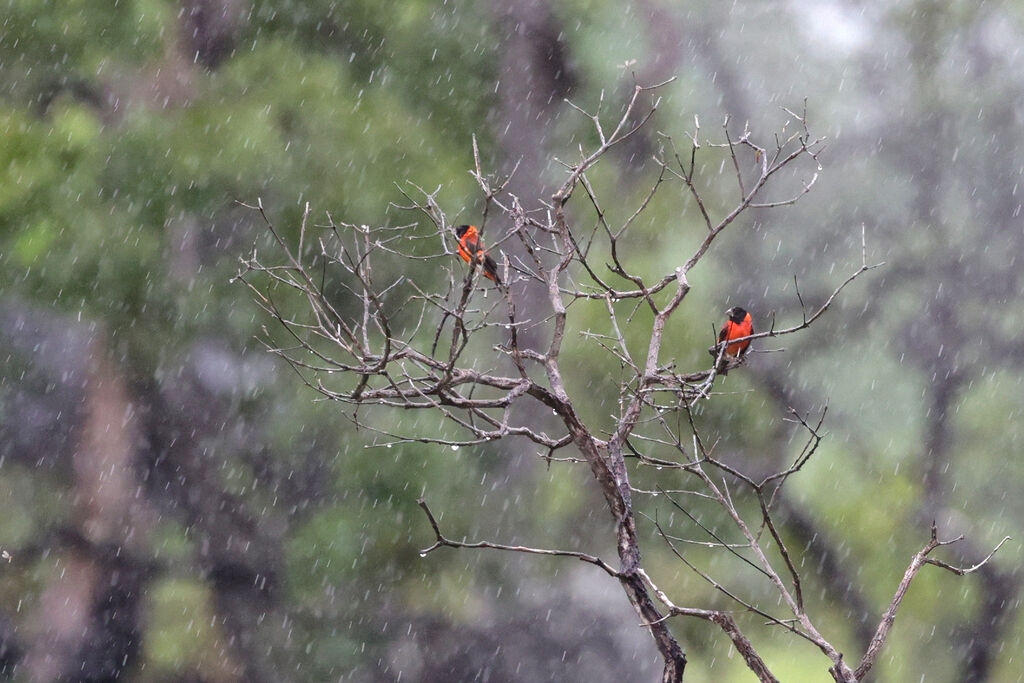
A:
{"x": 738, "y": 324}
{"x": 471, "y": 248}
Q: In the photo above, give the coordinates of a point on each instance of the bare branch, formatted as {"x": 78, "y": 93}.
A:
{"x": 727, "y": 623}
{"x": 442, "y": 541}
{"x": 919, "y": 560}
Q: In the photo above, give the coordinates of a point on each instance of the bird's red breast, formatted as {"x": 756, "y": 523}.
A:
{"x": 739, "y": 324}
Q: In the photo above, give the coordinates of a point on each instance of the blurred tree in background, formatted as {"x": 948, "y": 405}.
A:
{"x": 178, "y": 507}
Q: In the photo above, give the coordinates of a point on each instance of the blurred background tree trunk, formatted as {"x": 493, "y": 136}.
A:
{"x": 90, "y": 621}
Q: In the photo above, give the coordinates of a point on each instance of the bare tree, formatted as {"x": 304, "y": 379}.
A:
{"x": 393, "y": 343}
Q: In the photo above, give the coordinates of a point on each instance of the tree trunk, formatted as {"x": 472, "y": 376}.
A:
{"x": 90, "y": 617}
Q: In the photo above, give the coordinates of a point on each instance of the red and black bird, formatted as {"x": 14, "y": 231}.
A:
{"x": 738, "y": 324}
{"x": 471, "y": 248}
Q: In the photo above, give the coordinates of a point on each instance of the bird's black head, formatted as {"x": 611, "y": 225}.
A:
{"x": 736, "y": 314}
{"x": 461, "y": 230}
